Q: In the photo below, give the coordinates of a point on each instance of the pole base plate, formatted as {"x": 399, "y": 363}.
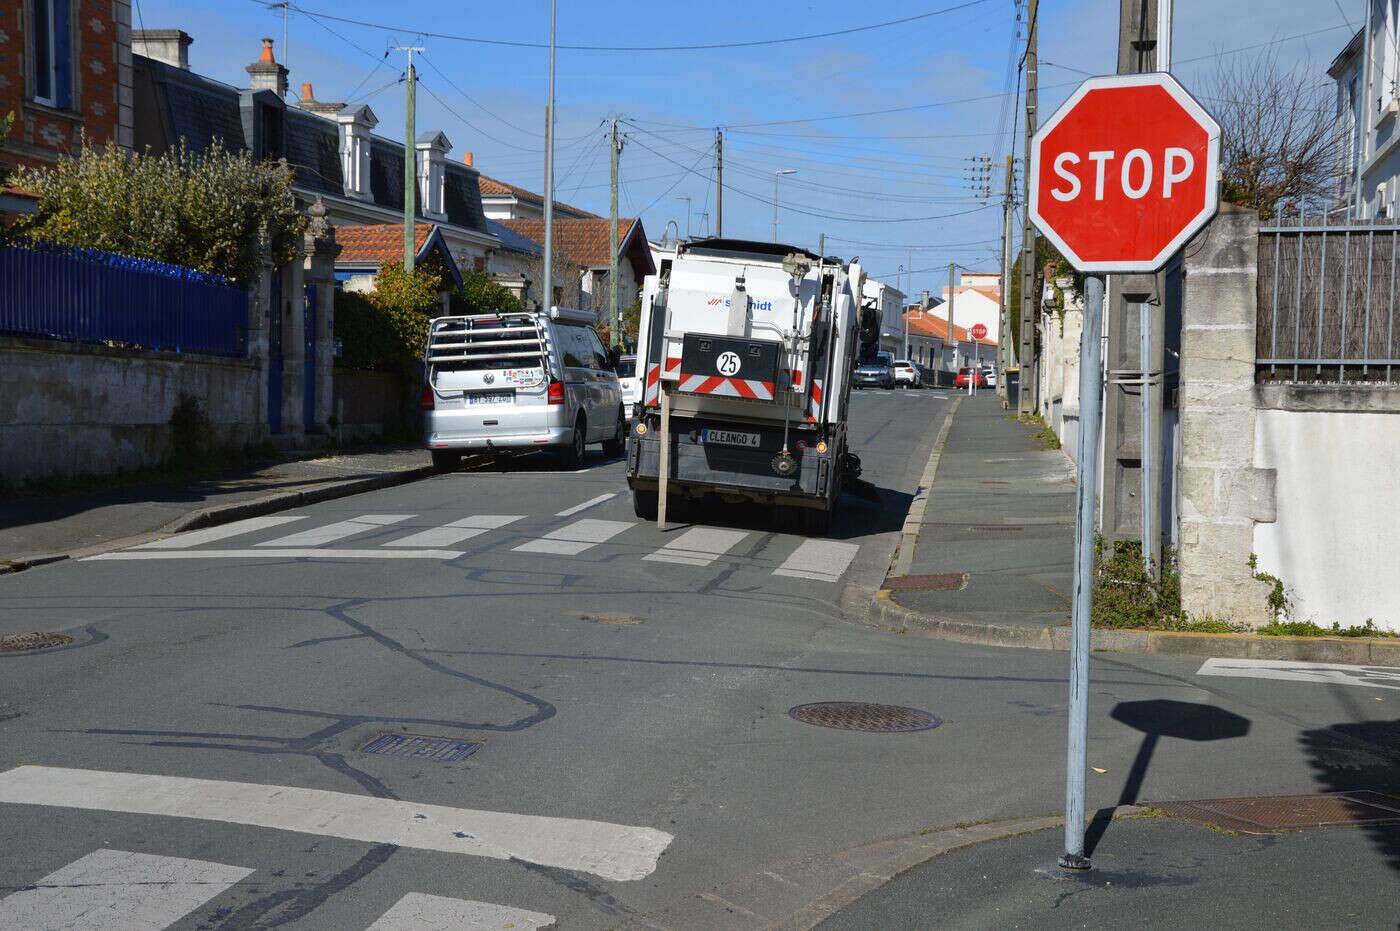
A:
{"x": 1074, "y": 861}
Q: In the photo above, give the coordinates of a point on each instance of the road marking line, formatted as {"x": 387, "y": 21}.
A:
{"x": 283, "y": 553}
{"x": 570, "y": 512}
{"x": 821, "y": 560}
{"x": 116, "y": 889}
{"x": 574, "y": 538}
{"x": 318, "y": 536}
{"x": 190, "y": 538}
{"x": 457, "y": 531}
{"x": 698, "y": 546}
{"x": 612, "y": 851}
{"x": 1375, "y": 677}
{"x": 419, "y": 911}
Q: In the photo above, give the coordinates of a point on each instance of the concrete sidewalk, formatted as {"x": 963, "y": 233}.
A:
{"x": 1148, "y": 873}
{"x": 995, "y": 544}
{"x": 38, "y": 528}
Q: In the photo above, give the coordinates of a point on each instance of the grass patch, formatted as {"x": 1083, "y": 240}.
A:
{"x": 1309, "y": 629}
{"x": 1044, "y": 434}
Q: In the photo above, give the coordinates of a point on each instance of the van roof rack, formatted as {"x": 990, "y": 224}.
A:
{"x": 494, "y": 340}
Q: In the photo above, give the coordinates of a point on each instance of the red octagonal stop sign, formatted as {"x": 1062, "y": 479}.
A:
{"x": 1124, "y": 172}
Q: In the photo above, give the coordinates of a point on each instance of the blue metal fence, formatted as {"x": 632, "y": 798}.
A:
{"x": 86, "y": 295}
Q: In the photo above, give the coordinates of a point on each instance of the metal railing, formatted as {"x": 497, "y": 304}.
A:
{"x": 1327, "y": 301}
{"x": 87, "y": 295}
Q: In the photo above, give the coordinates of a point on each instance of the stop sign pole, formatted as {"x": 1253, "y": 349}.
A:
{"x": 1124, "y": 173}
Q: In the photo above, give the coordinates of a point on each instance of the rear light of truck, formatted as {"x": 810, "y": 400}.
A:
{"x": 425, "y": 400}
{"x": 556, "y": 391}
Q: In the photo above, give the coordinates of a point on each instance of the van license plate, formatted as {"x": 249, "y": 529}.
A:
{"x": 729, "y": 438}
{"x": 490, "y": 397}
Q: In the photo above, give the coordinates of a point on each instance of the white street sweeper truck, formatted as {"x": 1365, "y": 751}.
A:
{"x": 746, "y": 350}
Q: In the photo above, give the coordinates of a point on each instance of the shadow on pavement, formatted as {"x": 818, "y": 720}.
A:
{"x": 1360, "y": 755}
{"x": 1156, "y": 719}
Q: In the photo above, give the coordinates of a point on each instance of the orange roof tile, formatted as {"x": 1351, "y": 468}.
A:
{"x": 491, "y": 187}
{"x": 378, "y": 243}
{"x": 926, "y": 323}
{"x": 583, "y": 241}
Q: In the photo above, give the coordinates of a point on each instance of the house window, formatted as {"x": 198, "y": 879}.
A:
{"x": 51, "y": 54}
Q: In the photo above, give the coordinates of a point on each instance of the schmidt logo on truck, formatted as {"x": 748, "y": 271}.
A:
{"x": 753, "y": 305}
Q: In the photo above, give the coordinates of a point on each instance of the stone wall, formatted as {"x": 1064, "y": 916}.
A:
{"x": 68, "y": 409}
{"x": 1221, "y": 493}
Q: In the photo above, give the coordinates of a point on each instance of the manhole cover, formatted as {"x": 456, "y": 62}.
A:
{"x": 1269, "y": 814}
{"x": 864, "y": 716}
{"x": 939, "y": 582}
{"x": 416, "y": 746}
{"x": 36, "y": 640}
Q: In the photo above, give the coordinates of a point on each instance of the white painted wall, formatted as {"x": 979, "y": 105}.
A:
{"x": 1336, "y": 543}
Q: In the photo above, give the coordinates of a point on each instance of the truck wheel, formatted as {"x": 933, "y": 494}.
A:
{"x": 644, "y": 504}
{"x": 445, "y": 460}
{"x": 571, "y": 455}
{"x": 615, "y": 447}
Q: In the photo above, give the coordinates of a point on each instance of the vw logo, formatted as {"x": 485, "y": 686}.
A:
{"x": 489, "y": 378}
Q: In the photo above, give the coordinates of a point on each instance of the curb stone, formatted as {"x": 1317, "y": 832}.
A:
{"x": 239, "y": 510}
{"x": 885, "y": 612}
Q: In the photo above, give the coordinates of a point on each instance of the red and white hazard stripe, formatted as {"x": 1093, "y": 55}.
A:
{"x": 651, "y": 394}
{"x": 814, "y": 402}
{"x": 750, "y": 388}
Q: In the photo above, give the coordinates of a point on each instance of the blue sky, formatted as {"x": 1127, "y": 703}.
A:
{"x": 889, "y": 187}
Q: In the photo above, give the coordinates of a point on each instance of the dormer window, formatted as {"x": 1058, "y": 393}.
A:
{"x": 356, "y": 124}
{"x": 432, "y": 174}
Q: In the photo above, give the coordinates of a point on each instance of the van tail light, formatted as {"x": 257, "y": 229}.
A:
{"x": 425, "y": 400}
{"x": 556, "y": 391}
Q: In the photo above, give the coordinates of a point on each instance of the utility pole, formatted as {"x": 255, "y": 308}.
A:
{"x": 549, "y": 173}
{"x": 1026, "y": 400}
{"x": 777, "y": 175}
{"x": 952, "y": 329}
{"x": 1004, "y": 354}
{"x": 821, "y": 245}
{"x": 410, "y": 161}
{"x": 614, "y": 324}
{"x": 719, "y": 184}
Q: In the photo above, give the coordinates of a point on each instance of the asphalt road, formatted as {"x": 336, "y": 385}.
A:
{"x": 627, "y": 688}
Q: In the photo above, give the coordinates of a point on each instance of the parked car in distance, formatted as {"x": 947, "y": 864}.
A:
{"x": 630, "y": 384}
{"x": 873, "y": 375}
{"x": 520, "y": 380}
{"x": 968, "y": 373}
{"x": 905, "y": 374}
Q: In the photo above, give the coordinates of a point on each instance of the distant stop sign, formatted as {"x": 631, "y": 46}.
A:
{"x": 1124, "y": 173}
{"x": 979, "y": 331}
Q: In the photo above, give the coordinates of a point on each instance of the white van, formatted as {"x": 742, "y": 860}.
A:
{"x": 520, "y": 380}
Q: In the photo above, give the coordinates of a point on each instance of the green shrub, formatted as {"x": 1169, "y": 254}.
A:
{"x": 480, "y": 294}
{"x": 208, "y": 210}
{"x": 1127, "y": 595}
{"x": 386, "y": 329}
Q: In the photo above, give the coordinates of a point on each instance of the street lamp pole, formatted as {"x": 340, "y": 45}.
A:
{"x": 776, "y": 175}
{"x": 903, "y": 307}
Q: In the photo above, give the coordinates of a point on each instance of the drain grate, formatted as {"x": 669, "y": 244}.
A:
{"x": 864, "y": 716}
{"x": 997, "y": 528}
{"x": 35, "y": 640}
{"x": 939, "y": 582}
{"x": 1273, "y": 813}
{"x": 418, "y": 747}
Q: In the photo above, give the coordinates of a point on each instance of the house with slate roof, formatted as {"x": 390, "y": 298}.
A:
{"x": 584, "y": 242}
{"x": 331, "y": 146}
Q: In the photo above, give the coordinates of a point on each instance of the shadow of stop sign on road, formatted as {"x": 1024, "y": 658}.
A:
{"x": 1124, "y": 172}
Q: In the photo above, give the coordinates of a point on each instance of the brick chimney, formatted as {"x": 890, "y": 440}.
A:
{"x": 266, "y": 74}
{"x": 171, "y": 46}
{"x": 308, "y": 101}
{"x": 467, "y": 159}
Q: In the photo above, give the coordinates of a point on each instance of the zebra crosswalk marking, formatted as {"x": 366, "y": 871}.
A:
{"x": 117, "y": 889}
{"x": 319, "y": 536}
{"x": 418, "y": 911}
{"x": 698, "y": 546}
{"x": 457, "y": 530}
{"x": 819, "y": 560}
{"x": 190, "y": 538}
{"x": 572, "y": 539}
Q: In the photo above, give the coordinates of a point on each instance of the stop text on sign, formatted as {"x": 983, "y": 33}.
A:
{"x": 1135, "y": 175}
{"x": 1124, "y": 172}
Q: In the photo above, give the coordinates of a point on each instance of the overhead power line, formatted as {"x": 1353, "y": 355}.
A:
{"x": 753, "y": 43}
